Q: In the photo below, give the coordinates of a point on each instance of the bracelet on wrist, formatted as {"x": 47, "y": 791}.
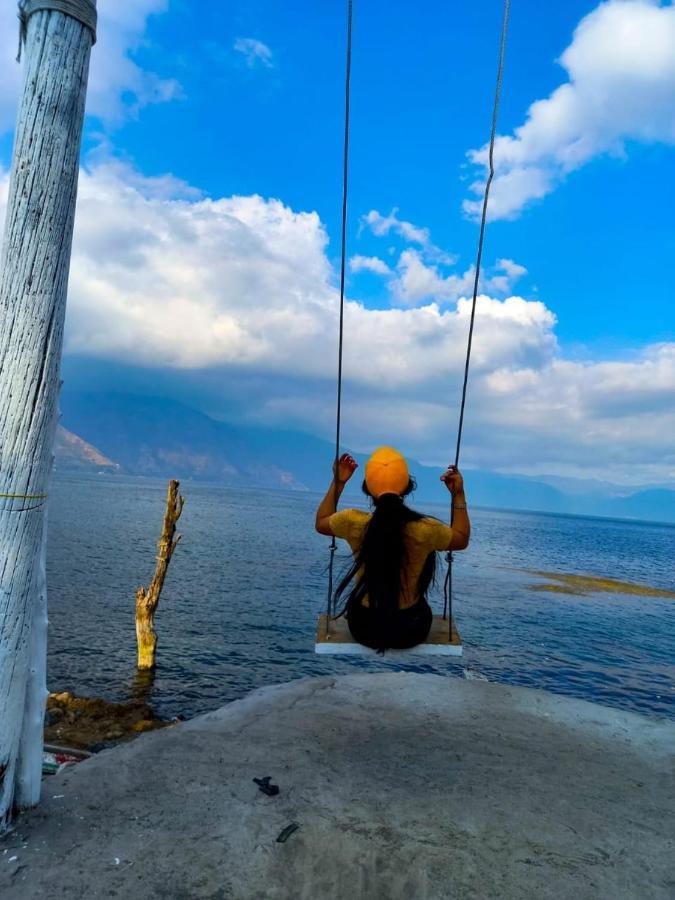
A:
{"x": 459, "y": 505}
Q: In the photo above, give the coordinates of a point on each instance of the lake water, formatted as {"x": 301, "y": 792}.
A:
{"x": 248, "y": 580}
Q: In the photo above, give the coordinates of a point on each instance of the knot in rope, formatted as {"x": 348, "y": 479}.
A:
{"x": 82, "y": 10}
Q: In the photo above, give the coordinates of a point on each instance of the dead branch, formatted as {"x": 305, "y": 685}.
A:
{"x": 148, "y": 600}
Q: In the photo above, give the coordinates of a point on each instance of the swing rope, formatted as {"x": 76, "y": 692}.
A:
{"x": 343, "y": 258}
{"x": 447, "y": 608}
{"x": 447, "y": 589}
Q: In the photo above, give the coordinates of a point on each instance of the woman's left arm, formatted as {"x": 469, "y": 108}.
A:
{"x": 344, "y": 470}
{"x": 461, "y": 525}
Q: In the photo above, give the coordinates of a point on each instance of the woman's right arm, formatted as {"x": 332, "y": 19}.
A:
{"x": 346, "y": 466}
{"x": 461, "y": 526}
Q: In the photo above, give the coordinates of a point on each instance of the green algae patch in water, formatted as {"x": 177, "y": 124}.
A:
{"x": 582, "y": 585}
{"x": 557, "y": 589}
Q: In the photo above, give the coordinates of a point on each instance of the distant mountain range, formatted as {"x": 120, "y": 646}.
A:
{"x": 72, "y": 453}
{"x": 135, "y": 435}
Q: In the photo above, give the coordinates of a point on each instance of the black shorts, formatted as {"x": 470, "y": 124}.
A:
{"x": 397, "y": 630}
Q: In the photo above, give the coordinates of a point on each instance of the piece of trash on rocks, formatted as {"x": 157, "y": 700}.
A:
{"x": 54, "y": 758}
{"x": 266, "y": 787}
{"x": 117, "y": 860}
{"x": 54, "y": 762}
{"x": 12, "y": 859}
{"x": 58, "y": 796}
{"x": 287, "y": 832}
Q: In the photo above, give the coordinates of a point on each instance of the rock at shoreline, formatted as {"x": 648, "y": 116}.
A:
{"x": 91, "y": 724}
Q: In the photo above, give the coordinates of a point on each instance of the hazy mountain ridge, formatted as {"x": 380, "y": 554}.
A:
{"x": 74, "y": 453}
{"x": 159, "y": 437}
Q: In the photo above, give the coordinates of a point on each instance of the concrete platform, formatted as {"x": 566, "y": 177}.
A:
{"x": 403, "y": 785}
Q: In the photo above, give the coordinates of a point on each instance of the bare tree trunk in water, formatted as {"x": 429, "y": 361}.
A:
{"x": 147, "y": 601}
{"x": 33, "y": 284}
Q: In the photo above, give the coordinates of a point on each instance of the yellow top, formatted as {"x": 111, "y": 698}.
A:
{"x": 422, "y": 538}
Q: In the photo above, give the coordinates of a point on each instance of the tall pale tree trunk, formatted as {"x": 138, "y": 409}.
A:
{"x": 33, "y": 283}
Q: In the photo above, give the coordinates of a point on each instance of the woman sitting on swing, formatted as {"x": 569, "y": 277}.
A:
{"x": 394, "y": 550}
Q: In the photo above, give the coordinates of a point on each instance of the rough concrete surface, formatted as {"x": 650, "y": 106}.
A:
{"x": 403, "y": 785}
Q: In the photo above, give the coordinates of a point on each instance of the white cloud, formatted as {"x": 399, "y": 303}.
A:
{"x": 511, "y": 269}
{"x": 417, "y": 281}
{"x": 254, "y": 52}
{"x": 369, "y": 264}
{"x": 382, "y": 225}
{"x": 418, "y": 276}
{"x": 241, "y": 287}
{"x": 118, "y": 86}
{"x": 620, "y": 88}
{"x": 506, "y": 274}
{"x": 613, "y": 419}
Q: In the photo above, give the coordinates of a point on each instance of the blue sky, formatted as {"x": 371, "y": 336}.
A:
{"x": 191, "y": 103}
{"x": 422, "y": 93}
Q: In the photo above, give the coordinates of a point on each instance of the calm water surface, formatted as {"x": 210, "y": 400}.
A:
{"x": 247, "y": 582}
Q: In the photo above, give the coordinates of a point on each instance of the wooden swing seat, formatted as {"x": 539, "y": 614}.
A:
{"x": 339, "y": 642}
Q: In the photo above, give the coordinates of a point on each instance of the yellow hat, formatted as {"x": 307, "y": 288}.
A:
{"x": 386, "y": 472}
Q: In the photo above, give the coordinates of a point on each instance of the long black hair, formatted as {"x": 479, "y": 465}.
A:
{"x": 382, "y": 557}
